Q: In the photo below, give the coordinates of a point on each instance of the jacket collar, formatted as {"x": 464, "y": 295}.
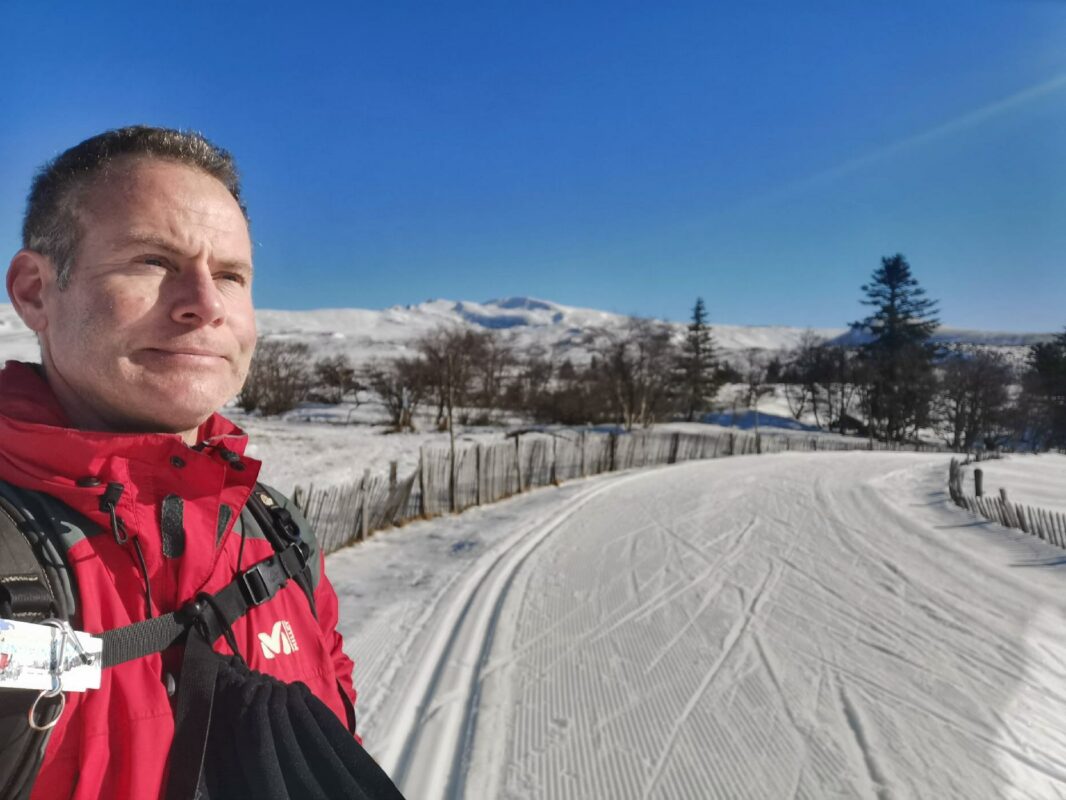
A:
{"x": 38, "y": 446}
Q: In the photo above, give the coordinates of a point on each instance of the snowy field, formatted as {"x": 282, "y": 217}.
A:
{"x": 327, "y": 452}
{"x": 1033, "y": 480}
{"x": 795, "y": 626}
{"x": 318, "y": 446}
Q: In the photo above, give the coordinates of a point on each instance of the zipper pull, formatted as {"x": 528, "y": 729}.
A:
{"x": 108, "y": 502}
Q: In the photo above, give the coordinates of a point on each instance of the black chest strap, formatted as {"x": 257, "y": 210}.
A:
{"x": 252, "y": 587}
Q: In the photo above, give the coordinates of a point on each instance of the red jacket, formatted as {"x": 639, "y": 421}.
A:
{"x": 113, "y": 742}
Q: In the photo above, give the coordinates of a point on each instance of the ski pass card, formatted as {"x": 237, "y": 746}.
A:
{"x": 29, "y": 653}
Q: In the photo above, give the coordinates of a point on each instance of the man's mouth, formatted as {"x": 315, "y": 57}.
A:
{"x": 190, "y": 354}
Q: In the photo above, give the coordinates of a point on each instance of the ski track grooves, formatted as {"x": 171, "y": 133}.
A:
{"x": 769, "y": 628}
{"x": 736, "y": 634}
{"x": 430, "y": 759}
{"x": 858, "y": 729}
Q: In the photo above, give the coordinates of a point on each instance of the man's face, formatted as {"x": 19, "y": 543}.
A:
{"x": 155, "y": 330}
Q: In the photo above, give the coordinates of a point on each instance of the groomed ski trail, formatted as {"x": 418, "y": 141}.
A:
{"x": 808, "y": 626}
{"x": 436, "y": 734}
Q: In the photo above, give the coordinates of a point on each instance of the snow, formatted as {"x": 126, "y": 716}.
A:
{"x": 1031, "y": 480}
{"x": 794, "y": 625}
{"x": 298, "y": 452}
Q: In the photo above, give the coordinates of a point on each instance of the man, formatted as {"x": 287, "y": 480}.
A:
{"x": 136, "y": 275}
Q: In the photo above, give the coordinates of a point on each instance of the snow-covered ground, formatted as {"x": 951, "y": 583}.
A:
{"x": 326, "y": 452}
{"x": 796, "y": 625}
{"x": 1032, "y": 480}
{"x": 320, "y": 446}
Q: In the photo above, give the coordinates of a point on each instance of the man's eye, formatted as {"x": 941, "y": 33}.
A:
{"x": 154, "y": 261}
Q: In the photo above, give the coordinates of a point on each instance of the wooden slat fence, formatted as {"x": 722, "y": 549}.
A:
{"x": 1048, "y": 525}
{"x": 481, "y": 473}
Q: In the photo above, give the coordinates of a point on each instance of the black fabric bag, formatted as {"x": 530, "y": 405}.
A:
{"x": 243, "y": 734}
{"x": 271, "y": 740}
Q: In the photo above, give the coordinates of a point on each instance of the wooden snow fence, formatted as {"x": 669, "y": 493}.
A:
{"x": 449, "y": 480}
{"x": 1048, "y": 525}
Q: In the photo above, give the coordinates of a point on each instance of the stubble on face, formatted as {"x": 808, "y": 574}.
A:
{"x": 155, "y": 330}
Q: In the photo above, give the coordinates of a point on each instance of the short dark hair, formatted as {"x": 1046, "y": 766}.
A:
{"x": 51, "y": 225}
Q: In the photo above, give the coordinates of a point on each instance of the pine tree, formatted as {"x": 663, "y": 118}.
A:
{"x": 898, "y": 358}
{"x": 697, "y": 364}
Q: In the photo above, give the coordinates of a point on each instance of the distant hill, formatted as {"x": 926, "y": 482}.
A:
{"x": 364, "y": 334}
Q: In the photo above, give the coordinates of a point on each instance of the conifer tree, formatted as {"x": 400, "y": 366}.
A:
{"x": 898, "y": 357}
{"x": 697, "y": 367}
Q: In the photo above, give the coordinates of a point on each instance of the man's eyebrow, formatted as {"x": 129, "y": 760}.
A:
{"x": 162, "y": 243}
{"x": 150, "y": 240}
{"x": 237, "y": 265}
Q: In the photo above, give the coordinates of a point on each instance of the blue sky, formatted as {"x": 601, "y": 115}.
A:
{"x": 625, "y": 156}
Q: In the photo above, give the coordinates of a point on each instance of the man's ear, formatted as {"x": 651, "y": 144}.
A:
{"x": 27, "y": 278}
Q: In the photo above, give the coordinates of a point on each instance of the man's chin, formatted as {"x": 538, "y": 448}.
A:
{"x": 175, "y": 412}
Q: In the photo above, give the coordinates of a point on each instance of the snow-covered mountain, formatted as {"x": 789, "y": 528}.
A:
{"x": 365, "y": 334}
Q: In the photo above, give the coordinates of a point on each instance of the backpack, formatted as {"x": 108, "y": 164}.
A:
{"x": 313, "y": 754}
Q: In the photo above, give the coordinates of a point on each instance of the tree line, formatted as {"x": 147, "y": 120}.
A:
{"x": 889, "y": 380}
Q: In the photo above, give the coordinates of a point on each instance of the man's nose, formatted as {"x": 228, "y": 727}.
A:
{"x": 198, "y": 300}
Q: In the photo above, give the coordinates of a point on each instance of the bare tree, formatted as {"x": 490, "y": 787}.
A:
{"x": 492, "y": 361}
{"x": 754, "y": 366}
{"x": 401, "y": 384}
{"x": 334, "y": 379}
{"x": 802, "y": 374}
{"x": 278, "y": 379}
{"x": 450, "y": 355}
{"x": 636, "y": 365}
{"x": 973, "y": 399}
{"x": 532, "y": 381}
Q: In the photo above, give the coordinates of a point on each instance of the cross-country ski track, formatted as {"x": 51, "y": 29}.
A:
{"x": 788, "y": 626}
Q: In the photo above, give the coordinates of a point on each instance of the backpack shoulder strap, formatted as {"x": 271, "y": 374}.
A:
{"x": 49, "y": 529}
{"x": 25, "y": 592}
{"x": 282, "y": 524}
{"x": 35, "y": 584}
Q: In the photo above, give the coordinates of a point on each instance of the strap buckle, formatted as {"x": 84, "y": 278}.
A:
{"x": 256, "y": 589}
{"x": 298, "y": 552}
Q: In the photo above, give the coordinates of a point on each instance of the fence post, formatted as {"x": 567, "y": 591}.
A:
{"x": 452, "y": 505}
{"x": 732, "y": 443}
{"x": 555, "y": 457}
{"x": 477, "y": 472}
{"x": 364, "y": 522}
{"x": 422, "y": 478}
{"x": 613, "y": 445}
{"x": 392, "y": 476}
{"x": 518, "y": 459}
{"x": 979, "y": 482}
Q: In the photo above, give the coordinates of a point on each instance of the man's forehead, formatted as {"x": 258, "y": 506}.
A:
{"x": 148, "y": 198}
{"x": 130, "y": 177}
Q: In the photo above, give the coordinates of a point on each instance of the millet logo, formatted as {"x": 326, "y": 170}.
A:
{"x": 281, "y": 640}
